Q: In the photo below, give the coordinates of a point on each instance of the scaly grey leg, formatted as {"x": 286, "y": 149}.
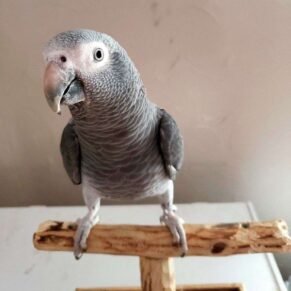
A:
{"x": 92, "y": 200}
{"x": 172, "y": 220}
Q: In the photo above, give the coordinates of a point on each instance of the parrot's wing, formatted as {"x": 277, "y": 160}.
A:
{"x": 171, "y": 144}
{"x": 71, "y": 153}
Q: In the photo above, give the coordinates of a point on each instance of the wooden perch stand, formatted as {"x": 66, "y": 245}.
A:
{"x": 153, "y": 244}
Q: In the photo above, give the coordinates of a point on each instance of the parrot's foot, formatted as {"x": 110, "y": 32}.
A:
{"x": 175, "y": 225}
{"x": 80, "y": 242}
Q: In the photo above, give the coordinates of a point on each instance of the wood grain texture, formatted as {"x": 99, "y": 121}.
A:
{"x": 156, "y": 241}
{"x": 206, "y": 287}
{"x": 157, "y": 274}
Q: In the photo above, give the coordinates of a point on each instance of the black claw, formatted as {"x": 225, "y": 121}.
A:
{"x": 78, "y": 257}
{"x": 184, "y": 251}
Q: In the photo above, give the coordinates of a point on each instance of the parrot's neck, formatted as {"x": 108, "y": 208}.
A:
{"x": 128, "y": 118}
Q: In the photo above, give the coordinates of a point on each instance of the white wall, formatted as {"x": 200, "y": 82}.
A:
{"x": 222, "y": 68}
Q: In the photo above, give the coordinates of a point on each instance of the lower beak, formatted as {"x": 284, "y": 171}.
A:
{"x": 56, "y": 80}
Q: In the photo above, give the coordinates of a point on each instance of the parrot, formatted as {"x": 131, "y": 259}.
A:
{"x": 117, "y": 144}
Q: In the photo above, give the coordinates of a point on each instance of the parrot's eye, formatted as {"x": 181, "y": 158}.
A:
{"x": 98, "y": 54}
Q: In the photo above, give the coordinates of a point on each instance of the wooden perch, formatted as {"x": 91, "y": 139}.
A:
{"x": 153, "y": 244}
{"x": 156, "y": 241}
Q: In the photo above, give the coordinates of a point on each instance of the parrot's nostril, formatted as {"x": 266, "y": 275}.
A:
{"x": 63, "y": 59}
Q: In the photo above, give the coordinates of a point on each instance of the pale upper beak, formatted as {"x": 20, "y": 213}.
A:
{"x": 56, "y": 81}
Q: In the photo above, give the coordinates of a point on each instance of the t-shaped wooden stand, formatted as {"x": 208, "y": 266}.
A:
{"x": 153, "y": 244}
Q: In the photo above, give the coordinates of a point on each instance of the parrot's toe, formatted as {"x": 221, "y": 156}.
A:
{"x": 80, "y": 240}
{"x": 79, "y": 248}
{"x": 175, "y": 225}
{"x": 78, "y": 253}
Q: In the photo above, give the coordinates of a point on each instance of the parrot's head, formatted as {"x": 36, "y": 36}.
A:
{"x": 84, "y": 66}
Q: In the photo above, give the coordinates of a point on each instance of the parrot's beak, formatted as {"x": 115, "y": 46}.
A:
{"x": 57, "y": 82}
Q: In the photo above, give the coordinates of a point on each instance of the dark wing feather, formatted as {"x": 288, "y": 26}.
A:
{"x": 71, "y": 153}
{"x": 171, "y": 144}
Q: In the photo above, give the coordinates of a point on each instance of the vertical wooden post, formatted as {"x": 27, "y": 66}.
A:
{"x": 157, "y": 274}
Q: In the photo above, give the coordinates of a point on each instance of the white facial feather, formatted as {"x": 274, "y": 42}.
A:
{"x": 84, "y": 57}
{"x": 81, "y": 58}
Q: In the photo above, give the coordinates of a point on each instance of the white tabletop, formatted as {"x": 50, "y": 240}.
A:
{"x": 24, "y": 268}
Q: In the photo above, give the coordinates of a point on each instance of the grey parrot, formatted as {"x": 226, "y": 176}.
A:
{"x": 118, "y": 144}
